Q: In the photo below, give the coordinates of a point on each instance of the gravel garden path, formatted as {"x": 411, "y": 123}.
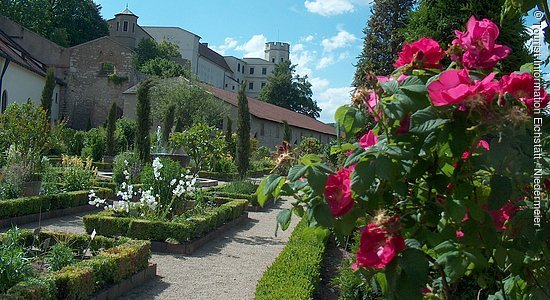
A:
{"x": 226, "y": 268}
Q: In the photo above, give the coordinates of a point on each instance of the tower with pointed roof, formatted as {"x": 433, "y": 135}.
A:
{"x": 124, "y": 28}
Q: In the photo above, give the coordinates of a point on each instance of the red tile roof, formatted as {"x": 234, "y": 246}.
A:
{"x": 267, "y": 111}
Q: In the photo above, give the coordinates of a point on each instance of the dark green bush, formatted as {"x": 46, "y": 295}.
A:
{"x": 33, "y": 205}
{"x": 296, "y": 272}
{"x": 181, "y": 229}
{"x": 95, "y": 144}
{"x": 59, "y": 256}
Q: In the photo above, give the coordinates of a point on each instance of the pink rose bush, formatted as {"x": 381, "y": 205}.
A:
{"x": 479, "y": 44}
{"x": 452, "y": 146}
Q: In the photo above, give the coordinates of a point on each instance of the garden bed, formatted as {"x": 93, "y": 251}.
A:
{"x": 296, "y": 272}
{"x": 241, "y": 190}
{"x": 176, "y": 232}
{"x": 115, "y": 266}
{"x": 31, "y": 209}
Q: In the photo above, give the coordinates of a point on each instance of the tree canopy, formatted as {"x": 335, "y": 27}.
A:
{"x": 286, "y": 89}
{"x": 66, "y": 22}
{"x": 159, "y": 59}
{"x": 382, "y": 38}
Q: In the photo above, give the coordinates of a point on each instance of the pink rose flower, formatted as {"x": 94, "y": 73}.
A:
{"x": 502, "y": 215}
{"x": 377, "y": 248}
{"x": 482, "y": 144}
{"x": 368, "y": 139}
{"x": 479, "y": 43}
{"x": 522, "y": 87}
{"x": 456, "y": 87}
{"x": 459, "y": 234}
{"x": 424, "y": 53}
{"x": 338, "y": 192}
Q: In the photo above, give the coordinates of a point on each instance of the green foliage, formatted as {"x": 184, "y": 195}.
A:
{"x": 432, "y": 19}
{"x": 296, "y": 272}
{"x": 242, "y": 154}
{"x": 180, "y": 229}
{"x": 309, "y": 146}
{"x": 95, "y": 144}
{"x": 168, "y": 123}
{"x": 224, "y": 165}
{"x": 192, "y": 104}
{"x": 203, "y": 143}
{"x": 34, "y": 205}
{"x": 126, "y": 129}
{"x": 59, "y": 256}
{"x": 14, "y": 264}
{"x": 285, "y": 89}
{"x": 382, "y": 40}
{"x": 130, "y": 162}
{"x": 159, "y": 59}
{"x": 237, "y": 190}
{"x": 143, "y": 116}
{"x": 47, "y": 92}
{"x": 163, "y": 68}
{"x": 74, "y": 174}
{"x": 161, "y": 186}
{"x": 230, "y": 139}
{"x": 67, "y": 23}
{"x": 74, "y": 140}
{"x": 111, "y": 128}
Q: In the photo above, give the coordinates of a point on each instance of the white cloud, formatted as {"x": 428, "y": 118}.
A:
{"x": 228, "y": 44}
{"x": 318, "y": 84}
{"x": 254, "y": 47}
{"x": 341, "y": 40}
{"x": 330, "y": 99}
{"x": 325, "y": 62}
{"x": 302, "y": 60}
{"x": 307, "y": 39}
{"x": 329, "y": 7}
{"x": 333, "y": 7}
{"x": 297, "y": 48}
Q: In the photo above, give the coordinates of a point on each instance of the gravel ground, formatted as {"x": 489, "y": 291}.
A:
{"x": 226, "y": 268}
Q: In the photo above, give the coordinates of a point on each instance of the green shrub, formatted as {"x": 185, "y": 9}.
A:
{"x": 170, "y": 170}
{"x": 125, "y": 134}
{"x": 180, "y": 229}
{"x": 74, "y": 282}
{"x": 296, "y": 272}
{"x": 33, "y": 205}
{"x": 134, "y": 168}
{"x": 73, "y": 140}
{"x": 224, "y": 165}
{"x": 59, "y": 256}
{"x": 14, "y": 265}
{"x": 35, "y": 288}
{"x": 95, "y": 144}
{"x": 239, "y": 187}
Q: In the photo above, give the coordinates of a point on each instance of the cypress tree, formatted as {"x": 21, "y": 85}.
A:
{"x": 229, "y": 131}
{"x": 143, "y": 114}
{"x": 287, "y": 132}
{"x": 382, "y": 39}
{"x": 47, "y": 92}
{"x": 243, "y": 133}
{"x": 111, "y": 127}
{"x": 168, "y": 123}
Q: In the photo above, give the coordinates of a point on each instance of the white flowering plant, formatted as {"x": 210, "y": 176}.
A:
{"x": 166, "y": 189}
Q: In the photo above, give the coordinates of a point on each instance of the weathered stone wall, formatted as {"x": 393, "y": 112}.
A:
{"x": 90, "y": 92}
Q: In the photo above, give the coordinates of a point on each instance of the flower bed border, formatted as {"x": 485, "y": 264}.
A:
{"x": 189, "y": 247}
{"x": 296, "y": 272}
{"x": 181, "y": 232}
{"x": 32, "y": 209}
{"x": 233, "y": 176}
{"x": 253, "y": 204}
{"x": 123, "y": 265}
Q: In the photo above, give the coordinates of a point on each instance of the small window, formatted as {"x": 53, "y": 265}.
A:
{"x": 133, "y": 27}
{"x": 238, "y": 67}
{"x": 264, "y": 71}
{"x": 125, "y": 26}
{"x": 273, "y": 60}
{"x": 262, "y": 129}
{"x": 282, "y": 59}
{"x": 251, "y": 71}
{"x": 242, "y": 70}
{"x": 233, "y": 88}
{"x": 226, "y": 85}
{"x": 117, "y": 26}
{"x": 107, "y": 68}
{"x": 263, "y": 84}
{"x": 55, "y": 98}
{"x": 4, "y": 101}
{"x": 251, "y": 85}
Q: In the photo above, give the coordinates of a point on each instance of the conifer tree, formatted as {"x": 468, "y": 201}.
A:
{"x": 111, "y": 127}
{"x": 287, "y": 132}
{"x": 143, "y": 114}
{"x": 168, "y": 123}
{"x": 47, "y": 92}
{"x": 243, "y": 133}
{"x": 382, "y": 39}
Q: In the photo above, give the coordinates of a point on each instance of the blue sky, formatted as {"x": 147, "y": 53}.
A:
{"x": 325, "y": 35}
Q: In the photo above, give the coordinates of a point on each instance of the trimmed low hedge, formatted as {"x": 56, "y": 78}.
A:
{"x": 36, "y": 204}
{"x": 122, "y": 259}
{"x": 232, "y": 176}
{"x": 252, "y": 199}
{"x": 102, "y": 165}
{"x": 296, "y": 272}
{"x": 180, "y": 230}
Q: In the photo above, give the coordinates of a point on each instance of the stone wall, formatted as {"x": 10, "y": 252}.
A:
{"x": 90, "y": 93}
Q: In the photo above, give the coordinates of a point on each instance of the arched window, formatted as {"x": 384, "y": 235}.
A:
{"x": 4, "y": 102}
